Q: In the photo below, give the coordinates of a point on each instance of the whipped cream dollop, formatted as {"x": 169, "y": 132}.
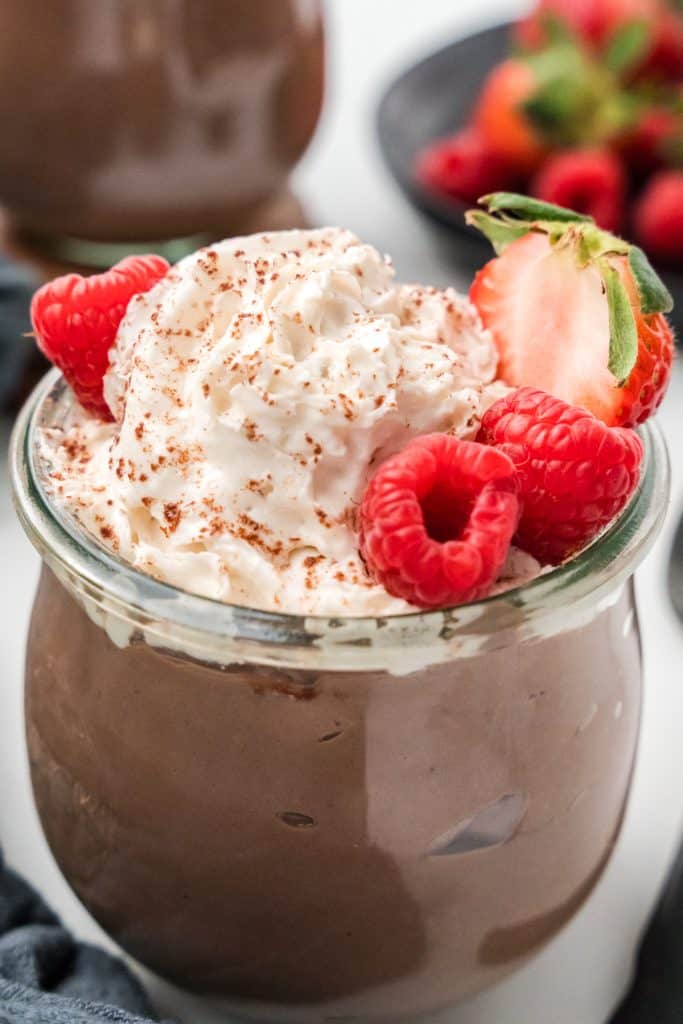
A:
{"x": 255, "y": 389}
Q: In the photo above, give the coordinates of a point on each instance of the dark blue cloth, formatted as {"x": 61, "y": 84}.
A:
{"x": 656, "y": 996}
{"x": 16, "y": 288}
{"x": 46, "y": 977}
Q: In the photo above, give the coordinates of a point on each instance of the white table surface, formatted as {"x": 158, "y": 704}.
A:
{"x": 579, "y": 977}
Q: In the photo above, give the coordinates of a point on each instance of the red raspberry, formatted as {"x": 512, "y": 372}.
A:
{"x": 644, "y": 148}
{"x": 659, "y": 217}
{"x": 437, "y": 519}
{"x": 462, "y": 167}
{"x": 575, "y": 473}
{"x": 76, "y": 319}
{"x": 665, "y": 59}
{"x": 590, "y": 181}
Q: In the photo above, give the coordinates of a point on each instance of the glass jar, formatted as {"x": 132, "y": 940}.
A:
{"x": 141, "y": 121}
{"x": 329, "y": 818}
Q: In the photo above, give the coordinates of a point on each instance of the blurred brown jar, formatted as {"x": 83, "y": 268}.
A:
{"x": 134, "y": 120}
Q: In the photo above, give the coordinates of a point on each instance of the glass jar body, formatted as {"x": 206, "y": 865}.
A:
{"x": 346, "y": 843}
{"x": 157, "y": 119}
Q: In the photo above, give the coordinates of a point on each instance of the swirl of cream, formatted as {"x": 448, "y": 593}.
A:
{"x": 255, "y": 389}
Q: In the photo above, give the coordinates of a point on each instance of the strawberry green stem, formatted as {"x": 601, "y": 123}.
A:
{"x": 623, "y": 333}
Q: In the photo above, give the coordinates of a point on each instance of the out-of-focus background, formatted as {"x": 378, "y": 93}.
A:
{"x": 343, "y": 180}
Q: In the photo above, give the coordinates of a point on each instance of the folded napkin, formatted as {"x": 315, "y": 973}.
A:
{"x": 46, "y": 977}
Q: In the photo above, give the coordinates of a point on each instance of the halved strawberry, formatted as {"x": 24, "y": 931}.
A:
{"x": 573, "y": 310}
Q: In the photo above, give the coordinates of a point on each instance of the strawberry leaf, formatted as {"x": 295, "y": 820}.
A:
{"x": 556, "y": 29}
{"x": 655, "y": 297}
{"x": 562, "y": 109}
{"x": 510, "y": 216}
{"x": 623, "y": 333}
{"x": 628, "y": 46}
{"x": 527, "y": 209}
{"x": 500, "y": 233}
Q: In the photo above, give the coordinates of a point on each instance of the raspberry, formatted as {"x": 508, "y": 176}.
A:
{"x": 590, "y": 181}
{"x": 665, "y": 59}
{"x": 462, "y": 167}
{"x": 437, "y": 519}
{"x": 659, "y": 217}
{"x": 645, "y": 147}
{"x": 575, "y": 474}
{"x": 76, "y": 319}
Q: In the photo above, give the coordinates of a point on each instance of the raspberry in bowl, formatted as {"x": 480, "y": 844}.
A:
{"x": 333, "y": 677}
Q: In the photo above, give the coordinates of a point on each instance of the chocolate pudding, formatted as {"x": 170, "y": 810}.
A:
{"x": 331, "y": 844}
{"x": 156, "y": 120}
{"x": 311, "y": 727}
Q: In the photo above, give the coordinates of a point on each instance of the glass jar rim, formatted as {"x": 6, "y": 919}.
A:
{"x": 181, "y": 620}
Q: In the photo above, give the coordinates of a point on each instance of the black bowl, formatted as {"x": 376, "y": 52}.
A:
{"x": 435, "y": 98}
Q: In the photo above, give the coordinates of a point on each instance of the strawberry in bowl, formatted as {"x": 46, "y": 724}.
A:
{"x": 583, "y": 111}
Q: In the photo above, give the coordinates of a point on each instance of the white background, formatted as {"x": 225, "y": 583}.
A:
{"x": 578, "y": 978}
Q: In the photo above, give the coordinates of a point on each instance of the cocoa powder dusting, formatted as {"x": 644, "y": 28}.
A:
{"x": 172, "y": 515}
